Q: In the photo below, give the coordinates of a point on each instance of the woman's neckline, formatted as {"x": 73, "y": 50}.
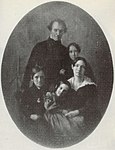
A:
{"x": 86, "y": 81}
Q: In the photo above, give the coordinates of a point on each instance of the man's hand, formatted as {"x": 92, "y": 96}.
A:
{"x": 62, "y": 71}
{"x": 72, "y": 113}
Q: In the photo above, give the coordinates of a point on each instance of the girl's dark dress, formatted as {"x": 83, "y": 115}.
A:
{"x": 32, "y": 103}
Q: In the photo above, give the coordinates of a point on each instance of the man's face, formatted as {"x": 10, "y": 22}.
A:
{"x": 57, "y": 31}
{"x": 39, "y": 79}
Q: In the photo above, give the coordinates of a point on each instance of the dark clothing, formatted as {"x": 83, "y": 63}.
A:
{"x": 78, "y": 127}
{"x": 85, "y": 100}
{"x": 68, "y": 72}
{"x": 81, "y": 99}
{"x": 68, "y": 69}
{"x": 32, "y": 102}
{"x": 50, "y": 54}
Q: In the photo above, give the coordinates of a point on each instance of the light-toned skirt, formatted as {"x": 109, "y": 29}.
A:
{"x": 64, "y": 126}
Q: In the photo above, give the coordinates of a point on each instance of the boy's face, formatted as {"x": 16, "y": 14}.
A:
{"x": 73, "y": 52}
{"x": 62, "y": 89}
{"x": 39, "y": 79}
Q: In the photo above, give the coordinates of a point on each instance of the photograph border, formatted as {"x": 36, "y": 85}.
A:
{"x": 109, "y": 113}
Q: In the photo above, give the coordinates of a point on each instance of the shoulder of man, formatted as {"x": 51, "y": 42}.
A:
{"x": 40, "y": 44}
{"x": 63, "y": 46}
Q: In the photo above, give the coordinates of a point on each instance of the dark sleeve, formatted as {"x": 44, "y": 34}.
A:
{"x": 89, "y": 72}
{"x": 90, "y": 105}
{"x": 65, "y": 64}
{"x": 26, "y": 103}
{"x": 30, "y": 104}
{"x": 65, "y": 58}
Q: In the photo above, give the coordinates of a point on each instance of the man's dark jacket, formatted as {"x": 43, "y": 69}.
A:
{"x": 50, "y": 54}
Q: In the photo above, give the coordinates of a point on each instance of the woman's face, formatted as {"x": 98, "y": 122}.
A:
{"x": 62, "y": 89}
{"x": 79, "y": 68}
{"x": 73, "y": 52}
{"x": 39, "y": 79}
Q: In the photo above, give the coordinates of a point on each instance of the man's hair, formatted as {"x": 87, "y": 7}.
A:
{"x": 60, "y": 22}
{"x": 36, "y": 69}
{"x": 75, "y": 45}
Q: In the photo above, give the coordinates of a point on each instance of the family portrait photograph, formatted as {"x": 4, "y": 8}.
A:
{"x": 57, "y": 75}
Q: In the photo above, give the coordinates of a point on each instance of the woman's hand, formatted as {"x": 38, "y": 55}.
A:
{"x": 34, "y": 117}
{"x": 72, "y": 113}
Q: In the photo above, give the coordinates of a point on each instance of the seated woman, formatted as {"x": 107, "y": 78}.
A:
{"x": 85, "y": 95}
{"x": 32, "y": 107}
{"x": 77, "y": 113}
{"x": 57, "y": 104}
{"x": 32, "y": 98}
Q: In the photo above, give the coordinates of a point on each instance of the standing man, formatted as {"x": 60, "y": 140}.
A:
{"x": 50, "y": 54}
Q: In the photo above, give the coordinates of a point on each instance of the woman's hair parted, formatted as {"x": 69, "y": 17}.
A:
{"x": 75, "y": 45}
{"x": 80, "y": 58}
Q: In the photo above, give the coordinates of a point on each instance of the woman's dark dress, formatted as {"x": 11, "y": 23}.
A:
{"x": 74, "y": 129}
{"x": 32, "y": 103}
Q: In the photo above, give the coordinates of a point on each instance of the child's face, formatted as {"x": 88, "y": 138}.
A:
{"x": 73, "y": 52}
{"x": 62, "y": 89}
{"x": 38, "y": 79}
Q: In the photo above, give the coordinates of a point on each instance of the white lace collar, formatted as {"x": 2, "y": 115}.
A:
{"x": 87, "y": 81}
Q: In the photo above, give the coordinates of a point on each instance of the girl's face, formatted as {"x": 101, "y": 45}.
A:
{"x": 62, "y": 89}
{"x": 39, "y": 79}
{"x": 73, "y": 52}
{"x": 79, "y": 68}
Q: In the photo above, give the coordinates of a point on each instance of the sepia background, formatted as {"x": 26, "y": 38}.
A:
{"x": 88, "y": 34}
